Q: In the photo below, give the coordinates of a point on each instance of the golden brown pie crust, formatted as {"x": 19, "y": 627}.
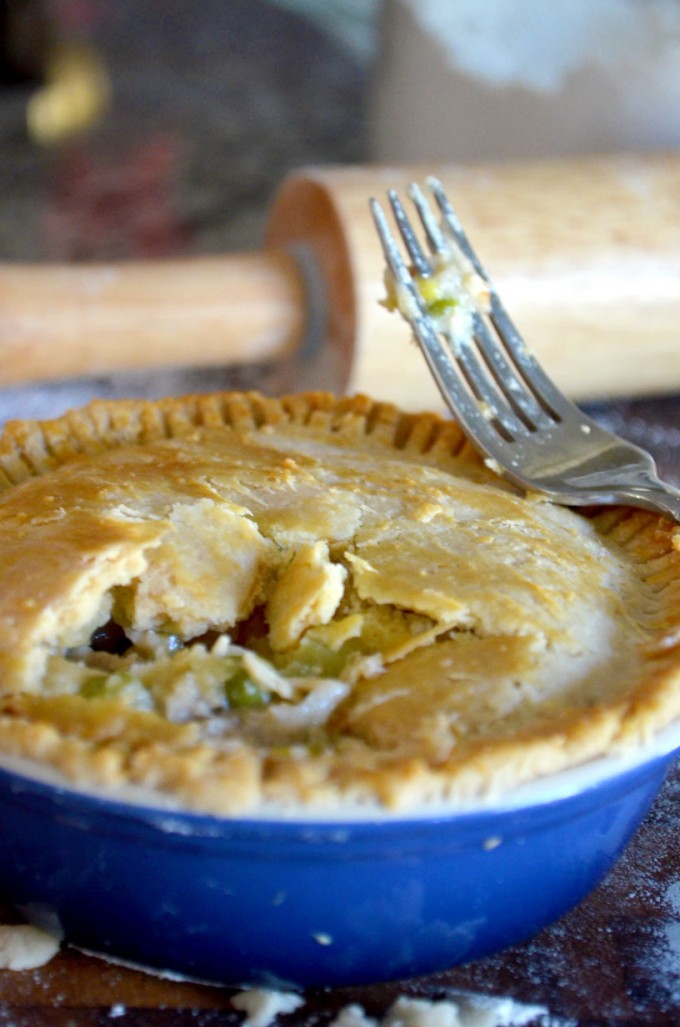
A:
{"x": 325, "y": 602}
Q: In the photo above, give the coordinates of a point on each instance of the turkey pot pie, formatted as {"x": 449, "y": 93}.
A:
{"x": 238, "y": 603}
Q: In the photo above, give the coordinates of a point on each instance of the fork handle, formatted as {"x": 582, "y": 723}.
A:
{"x": 654, "y": 494}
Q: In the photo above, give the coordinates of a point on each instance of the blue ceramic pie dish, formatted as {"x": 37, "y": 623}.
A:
{"x": 292, "y": 903}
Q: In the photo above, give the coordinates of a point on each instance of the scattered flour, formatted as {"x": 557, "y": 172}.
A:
{"x": 672, "y": 897}
{"x": 462, "y": 1011}
{"x": 24, "y": 947}
{"x": 668, "y": 947}
{"x": 467, "y": 1010}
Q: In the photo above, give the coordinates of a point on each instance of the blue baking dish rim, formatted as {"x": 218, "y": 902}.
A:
{"x": 78, "y": 808}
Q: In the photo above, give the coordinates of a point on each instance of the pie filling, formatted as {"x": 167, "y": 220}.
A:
{"x": 313, "y": 614}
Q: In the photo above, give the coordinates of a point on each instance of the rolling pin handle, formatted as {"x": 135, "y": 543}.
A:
{"x": 63, "y": 321}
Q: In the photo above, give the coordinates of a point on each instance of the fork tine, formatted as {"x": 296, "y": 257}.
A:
{"x": 549, "y": 396}
{"x": 511, "y": 380}
{"x": 435, "y": 236}
{"x": 477, "y": 382}
{"x": 509, "y": 404}
{"x": 552, "y": 400}
{"x": 415, "y": 251}
{"x": 393, "y": 256}
{"x": 464, "y": 403}
{"x": 455, "y": 226}
{"x": 494, "y": 401}
{"x": 518, "y": 399}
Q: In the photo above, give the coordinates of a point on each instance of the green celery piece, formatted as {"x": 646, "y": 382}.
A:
{"x": 244, "y": 693}
{"x": 442, "y": 306}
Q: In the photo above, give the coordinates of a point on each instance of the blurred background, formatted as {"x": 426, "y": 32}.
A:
{"x": 161, "y": 128}
{"x": 142, "y": 127}
{"x": 154, "y": 128}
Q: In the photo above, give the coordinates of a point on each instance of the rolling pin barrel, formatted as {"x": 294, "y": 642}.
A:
{"x": 585, "y": 253}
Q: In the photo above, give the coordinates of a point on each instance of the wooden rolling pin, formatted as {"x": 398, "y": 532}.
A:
{"x": 585, "y": 252}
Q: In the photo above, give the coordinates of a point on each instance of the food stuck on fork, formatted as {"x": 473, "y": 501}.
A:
{"x": 446, "y": 285}
{"x": 493, "y": 384}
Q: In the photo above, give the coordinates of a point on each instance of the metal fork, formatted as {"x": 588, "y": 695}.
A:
{"x": 496, "y": 389}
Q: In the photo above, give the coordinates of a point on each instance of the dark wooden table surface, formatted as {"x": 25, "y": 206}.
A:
{"x": 614, "y": 960}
